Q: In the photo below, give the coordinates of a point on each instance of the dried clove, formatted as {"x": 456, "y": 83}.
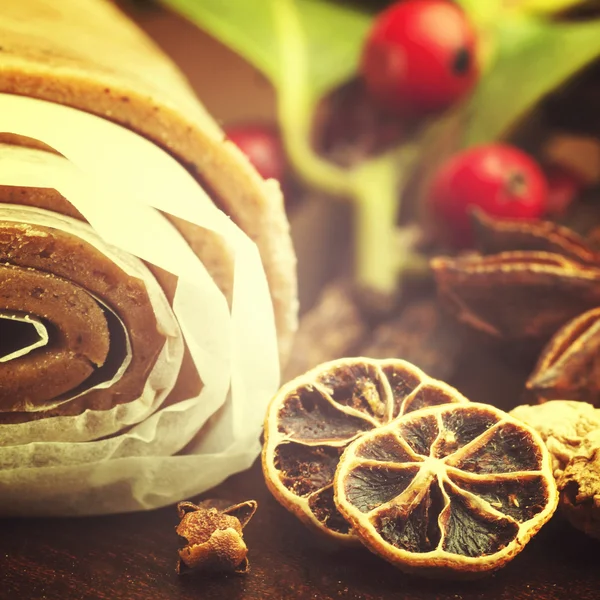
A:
{"x": 214, "y": 538}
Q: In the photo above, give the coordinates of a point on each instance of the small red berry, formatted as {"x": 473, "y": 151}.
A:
{"x": 420, "y": 56}
{"x": 563, "y": 187}
{"x": 500, "y": 179}
{"x": 262, "y": 145}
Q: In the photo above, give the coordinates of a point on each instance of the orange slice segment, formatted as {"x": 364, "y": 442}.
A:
{"x": 313, "y": 418}
{"x": 453, "y": 490}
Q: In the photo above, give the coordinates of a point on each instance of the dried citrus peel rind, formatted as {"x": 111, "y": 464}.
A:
{"x": 448, "y": 491}
{"x": 314, "y": 417}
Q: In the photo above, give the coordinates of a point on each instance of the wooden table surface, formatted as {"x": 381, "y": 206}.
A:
{"x": 133, "y": 557}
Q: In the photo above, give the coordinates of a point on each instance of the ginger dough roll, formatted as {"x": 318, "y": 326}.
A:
{"x": 86, "y": 54}
{"x": 106, "y": 292}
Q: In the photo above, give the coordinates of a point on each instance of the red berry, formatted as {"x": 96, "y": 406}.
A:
{"x": 563, "y": 187}
{"x": 500, "y": 179}
{"x": 262, "y": 145}
{"x": 420, "y": 56}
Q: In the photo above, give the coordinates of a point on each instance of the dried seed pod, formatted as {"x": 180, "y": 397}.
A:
{"x": 517, "y": 295}
{"x": 542, "y": 284}
{"x": 579, "y": 153}
{"x": 569, "y": 366}
{"x": 214, "y": 539}
{"x": 505, "y": 235}
{"x": 454, "y": 491}
{"x": 314, "y": 417}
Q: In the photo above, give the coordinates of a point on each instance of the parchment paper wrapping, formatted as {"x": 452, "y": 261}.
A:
{"x": 122, "y": 184}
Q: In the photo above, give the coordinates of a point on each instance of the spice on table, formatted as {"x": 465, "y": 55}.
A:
{"x": 494, "y": 235}
{"x": 571, "y": 431}
{"x": 214, "y": 538}
{"x": 313, "y": 418}
{"x": 563, "y": 424}
{"x": 580, "y": 154}
{"x": 580, "y": 487}
{"x": 455, "y": 490}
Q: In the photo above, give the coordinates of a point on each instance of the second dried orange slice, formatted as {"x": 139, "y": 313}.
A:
{"x": 453, "y": 490}
{"x": 315, "y": 417}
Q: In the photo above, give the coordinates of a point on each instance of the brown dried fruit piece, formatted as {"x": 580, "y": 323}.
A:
{"x": 313, "y": 418}
{"x": 214, "y": 538}
{"x": 580, "y": 486}
{"x": 90, "y": 307}
{"x": 542, "y": 284}
{"x": 571, "y": 431}
{"x": 451, "y": 491}
{"x": 562, "y": 424}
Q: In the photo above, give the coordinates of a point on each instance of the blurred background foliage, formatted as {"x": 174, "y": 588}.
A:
{"x": 309, "y": 50}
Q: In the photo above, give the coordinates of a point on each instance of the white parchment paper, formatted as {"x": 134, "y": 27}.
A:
{"x": 117, "y": 180}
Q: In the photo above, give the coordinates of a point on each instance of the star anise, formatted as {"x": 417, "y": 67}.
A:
{"x": 533, "y": 281}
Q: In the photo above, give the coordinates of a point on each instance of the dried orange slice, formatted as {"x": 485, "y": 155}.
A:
{"x": 453, "y": 490}
{"x": 314, "y": 417}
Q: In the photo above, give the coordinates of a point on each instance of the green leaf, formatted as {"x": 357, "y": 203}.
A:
{"x": 533, "y": 57}
{"x": 313, "y": 60}
{"x": 376, "y": 185}
{"x": 485, "y": 11}
{"x": 481, "y": 13}
{"x": 549, "y": 6}
{"x": 327, "y": 35}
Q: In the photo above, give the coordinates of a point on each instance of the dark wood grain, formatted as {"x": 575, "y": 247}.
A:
{"x": 132, "y": 557}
